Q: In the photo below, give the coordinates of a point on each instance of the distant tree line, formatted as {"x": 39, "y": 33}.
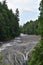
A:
{"x": 9, "y": 25}
{"x": 31, "y": 27}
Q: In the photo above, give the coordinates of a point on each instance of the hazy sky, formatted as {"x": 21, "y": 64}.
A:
{"x": 28, "y": 9}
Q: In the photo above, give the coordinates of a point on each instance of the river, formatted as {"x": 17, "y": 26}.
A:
{"x": 16, "y": 51}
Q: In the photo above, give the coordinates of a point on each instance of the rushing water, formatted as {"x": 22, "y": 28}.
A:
{"x": 20, "y": 48}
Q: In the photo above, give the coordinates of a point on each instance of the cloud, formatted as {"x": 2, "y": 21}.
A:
{"x": 27, "y": 16}
{"x": 24, "y": 6}
{"x": 28, "y": 5}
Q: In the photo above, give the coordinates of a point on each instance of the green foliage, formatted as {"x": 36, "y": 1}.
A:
{"x": 41, "y": 18}
{"x": 1, "y": 57}
{"x": 37, "y": 54}
{"x": 9, "y": 26}
{"x": 30, "y": 27}
{"x": 21, "y": 29}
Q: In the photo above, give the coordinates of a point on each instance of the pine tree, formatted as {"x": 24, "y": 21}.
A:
{"x": 37, "y": 54}
{"x": 41, "y": 19}
{"x": 9, "y": 26}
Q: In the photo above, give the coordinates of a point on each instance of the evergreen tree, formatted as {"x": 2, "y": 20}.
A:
{"x": 37, "y": 54}
{"x": 30, "y": 27}
{"x": 41, "y": 19}
{"x": 9, "y": 25}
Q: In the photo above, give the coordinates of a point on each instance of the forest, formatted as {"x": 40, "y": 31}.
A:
{"x": 37, "y": 54}
{"x": 30, "y": 28}
{"x": 9, "y": 25}
{"x": 9, "y": 29}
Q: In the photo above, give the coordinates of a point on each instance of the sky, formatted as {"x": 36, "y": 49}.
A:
{"x": 28, "y": 9}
